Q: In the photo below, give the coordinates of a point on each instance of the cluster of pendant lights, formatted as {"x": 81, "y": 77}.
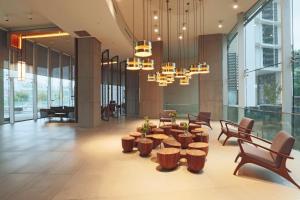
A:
{"x": 168, "y": 72}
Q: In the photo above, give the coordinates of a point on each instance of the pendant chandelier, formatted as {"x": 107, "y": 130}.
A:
{"x": 180, "y": 73}
{"x": 168, "y": 67}
{"x": 133, "y": 63}
{"x": 151, "y": 77}
{"x": 202, "y": 68}
{"x": 143, "y": 48}
{"x": 184, "y": 81}
{"x": 147, "y": 64}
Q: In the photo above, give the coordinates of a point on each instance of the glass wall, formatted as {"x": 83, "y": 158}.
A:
{"x": 48, "y": 79}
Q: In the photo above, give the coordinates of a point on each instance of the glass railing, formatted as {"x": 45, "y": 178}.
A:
{"x": 183, "y": 109}
{"x": 268, "y": 120}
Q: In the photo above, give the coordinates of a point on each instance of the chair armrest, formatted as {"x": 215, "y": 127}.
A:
{"x": 261, "y": 139}
{"x": 222, "y": 122}
{"x": 240, "y": 140}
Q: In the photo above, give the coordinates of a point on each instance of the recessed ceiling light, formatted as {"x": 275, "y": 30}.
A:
{"x": 155, "y": 16}
{"x": 158, "y": 38}
{"x": 235, "y": 4}
{"x": 156, "y": 30}
{"x": 220, "y": 25}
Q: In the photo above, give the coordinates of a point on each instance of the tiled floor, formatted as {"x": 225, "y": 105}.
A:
{"x": 59, "y": 161}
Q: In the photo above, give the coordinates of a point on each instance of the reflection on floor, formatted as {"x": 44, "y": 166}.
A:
{"x": 59, "y": 161}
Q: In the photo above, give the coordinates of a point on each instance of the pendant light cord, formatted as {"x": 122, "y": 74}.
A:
{"x": 133, "y": 27}
{"x": 168, "y": 31}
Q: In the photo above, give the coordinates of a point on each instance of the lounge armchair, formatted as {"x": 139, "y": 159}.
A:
{"x": 203, "y": 118}
{"x": 241, "y": 130}
{"x": 165, "y": 116}
{"x": 273, "y": 158}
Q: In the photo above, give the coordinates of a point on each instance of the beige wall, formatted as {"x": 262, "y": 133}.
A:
{"x": 210, "y": 85}
{"x": 151, "y": 96}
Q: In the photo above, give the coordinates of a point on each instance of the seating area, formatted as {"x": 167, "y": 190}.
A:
{"x": 150, "y": 100}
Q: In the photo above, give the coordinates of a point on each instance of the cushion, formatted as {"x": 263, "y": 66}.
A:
{"x": 259, "y": 154}
{"x": 282, "y": 143}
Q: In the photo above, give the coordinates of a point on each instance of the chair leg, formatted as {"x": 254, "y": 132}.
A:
{"x": 220, "y": 135}
{"x": 225, "y": 140}
{"x": 239, "y": 166}
{"x": 287, "y": 176}
{"x": 237, "y": 157}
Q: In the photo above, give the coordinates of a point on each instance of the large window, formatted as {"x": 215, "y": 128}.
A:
{"x": 42, "y": 77}
{"x": 66, "y": 82}
{"x": 55, "y": 79}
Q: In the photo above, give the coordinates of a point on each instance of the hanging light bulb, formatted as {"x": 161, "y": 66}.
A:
{"x": 170, "y": 78}
{"x": 156, "y": 30}
{"x": 134, "y": 63}
{"x": 168, "y": 68}
{"x": 143, "y": 49}
{"x": 204, "y": 69}
{"x": 180, "y": 73}
{"x": 220, "y": 25}
{"x": 180, "y": 37}
{"x": 235, "y": 4}
{"x": 155, "y": 15}
{"x": 161, "y": 77}
{"x": 184, "y": 27}
{"x": 147, "y": 64}
{"x": 159, "y": 38}
{"x": 184, "y": 81}
{"x": 162, "y": 84}
{"x": 21, "y": 70}
{"x": 151, "y": 77}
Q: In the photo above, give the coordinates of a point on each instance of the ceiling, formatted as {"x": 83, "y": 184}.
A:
{"x": 110, "y": 21}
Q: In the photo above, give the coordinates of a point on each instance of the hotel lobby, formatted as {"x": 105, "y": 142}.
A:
{"x": 149, "y": 99}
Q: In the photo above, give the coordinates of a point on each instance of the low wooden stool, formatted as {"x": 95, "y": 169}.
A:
{"x": 193, "y": 126}
{"x": 127, "y": 143}
{"x": 174, "y": 126}
{"x": 135, "y": 134}
{"x": 168, "y": 158}
{"x": 176, "y": 132}
{"x": 152, "y": 126}
{"x": 199, "y": 146}
{"x": 145, "y": 146}
{"x": 157, "y": 139}
{"x": 166, "y": 129}
{"x": 168, "y": 143}
{"x": 202, "y": 137}
{"x": 185, "y": 139}
{"x": 195, "y": 160}
{"x": 158, "y": 131}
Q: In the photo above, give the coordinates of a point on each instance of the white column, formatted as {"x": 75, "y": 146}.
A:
{"x": 241, "y": 64}
{"x": 34, "y": 85}
{"x": 287, "y": 77}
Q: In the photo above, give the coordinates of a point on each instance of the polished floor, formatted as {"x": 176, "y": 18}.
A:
{"x": 40, "y": 160}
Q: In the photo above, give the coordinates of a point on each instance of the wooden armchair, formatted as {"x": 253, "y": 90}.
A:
{"x": 165, "y": 116}
{"x": 241, "y": 130}
{"x": 203, "y": 118}
{"x": 273, "y": 158}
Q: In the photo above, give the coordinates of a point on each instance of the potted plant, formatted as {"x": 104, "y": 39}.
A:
{"x": 185, "y": 127}
{"x": 173, "y": 116}
{"x": 146, "y": 126}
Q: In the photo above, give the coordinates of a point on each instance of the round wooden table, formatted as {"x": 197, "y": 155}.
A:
{"x": 158, "y": 131}
{"x": 145, "y": 146}
{"x": 166, "y": 129}
{"x": 127, "y": 143}
{"x": 195, "y": 160}
{"x": 200, "y": 130}
{"x": 135, "y": 134}
{"x": 194, "y": 126}
{"x": 199, "y": 146}
{"x": 185, "y": 139}
{"x": 176, "y": 132}
{"x": 168, "y": 158}
{"x": 171, "y": 143}
{"x": 157, "y": 139}
{"x": 202, "y": 137}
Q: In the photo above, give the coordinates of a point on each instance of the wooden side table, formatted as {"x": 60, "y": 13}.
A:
{"x": 145, "y": 146}
{"x": 185, "y": 139}
{"x": 166, "y": 129}
{"x": 195, "y": 160}
{"x": 199, "y": 146}
{"x": 171, "y": 143}
{"x": 127, "y": 144}
{"x": 202, "y": 137}
{"x": 157, "y": 139}
{"x": 158, "y": 131}
{"x": 168, "y": 158}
